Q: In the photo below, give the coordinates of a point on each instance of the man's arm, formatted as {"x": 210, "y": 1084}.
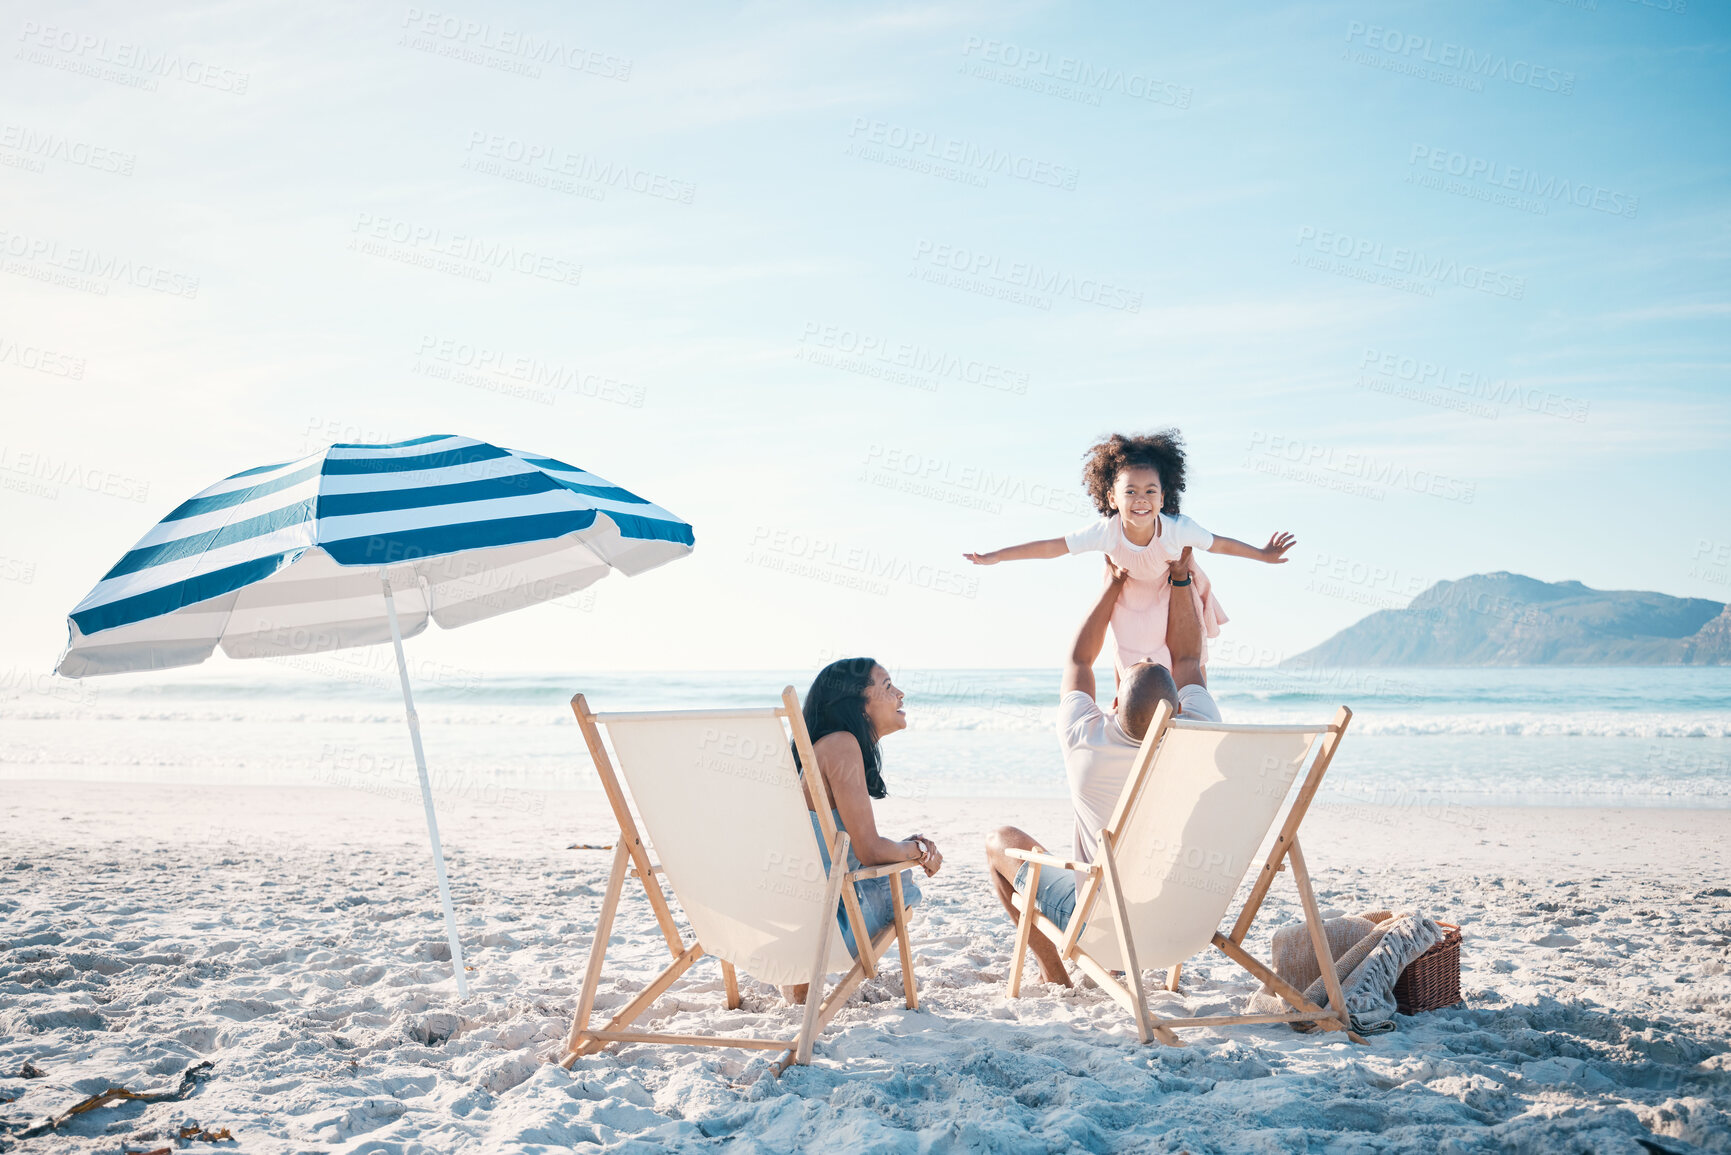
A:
{"x": 1184, "y": 627}
{"x": 1091, "y": 638}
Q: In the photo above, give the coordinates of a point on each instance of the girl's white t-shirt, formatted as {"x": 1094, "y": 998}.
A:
{"x": 1107, "y": 536}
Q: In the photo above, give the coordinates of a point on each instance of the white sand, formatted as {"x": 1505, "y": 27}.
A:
{"x": 290, "y": 936}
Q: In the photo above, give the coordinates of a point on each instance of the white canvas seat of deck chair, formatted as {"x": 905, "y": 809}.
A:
{"x": 1198, "y": 802}
{"x": 721, "y": 802}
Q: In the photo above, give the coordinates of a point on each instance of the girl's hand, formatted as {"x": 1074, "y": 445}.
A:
{"x": 1274, "y": 552}
{"x": 930, "y": 860}
{"x": 982, "y": 558}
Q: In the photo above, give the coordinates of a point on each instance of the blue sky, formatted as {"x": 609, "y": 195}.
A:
{"x": 1440, "y": 288}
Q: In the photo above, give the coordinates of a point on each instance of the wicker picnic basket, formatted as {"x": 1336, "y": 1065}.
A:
{"x": 1433, "y": 979}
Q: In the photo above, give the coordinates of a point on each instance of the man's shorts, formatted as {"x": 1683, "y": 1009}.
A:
{"x": 1057, "y": 896}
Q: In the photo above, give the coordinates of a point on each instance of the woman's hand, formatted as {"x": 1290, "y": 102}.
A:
{"x": 930, "y": 859}
{"x": 1116, "y": 575}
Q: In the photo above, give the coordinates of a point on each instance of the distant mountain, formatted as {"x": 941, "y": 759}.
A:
{"x": 1506, "y": 619}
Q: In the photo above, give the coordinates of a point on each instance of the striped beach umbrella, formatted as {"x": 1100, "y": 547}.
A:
{"x": 358, "y": 545}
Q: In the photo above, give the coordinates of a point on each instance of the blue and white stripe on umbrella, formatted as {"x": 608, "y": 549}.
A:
{"x": 285, "y": 559}
{"x": 361, "y": 544}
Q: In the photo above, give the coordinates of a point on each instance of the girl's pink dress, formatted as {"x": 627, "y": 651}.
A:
{"x": 1139, "y": 620}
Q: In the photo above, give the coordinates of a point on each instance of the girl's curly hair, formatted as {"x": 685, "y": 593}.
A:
{"x": 1162, "y": 452}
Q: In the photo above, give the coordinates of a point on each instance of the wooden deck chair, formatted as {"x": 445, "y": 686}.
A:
{"x": 721, "y": 803}
{"x": 1199, "y": 800}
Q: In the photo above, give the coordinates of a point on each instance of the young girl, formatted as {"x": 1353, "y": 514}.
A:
{"x": 1135, "y": 483}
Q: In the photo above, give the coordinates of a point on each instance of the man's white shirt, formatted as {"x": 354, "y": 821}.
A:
{"x": 1098, "y": 755}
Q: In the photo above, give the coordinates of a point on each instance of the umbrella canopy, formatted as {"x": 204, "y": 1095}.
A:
{"x": 285, "y": 559}
{"x": 359, "y": 544}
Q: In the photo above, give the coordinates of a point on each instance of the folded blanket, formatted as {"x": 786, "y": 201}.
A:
{"x": 1295, "y": 960}
{"x": 1369, "y": 952}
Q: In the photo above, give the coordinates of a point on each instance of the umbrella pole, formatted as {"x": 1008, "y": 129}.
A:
{"x": 426, "y": 792}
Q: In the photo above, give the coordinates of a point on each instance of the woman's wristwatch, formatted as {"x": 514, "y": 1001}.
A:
{"x": 1176, "y": 582}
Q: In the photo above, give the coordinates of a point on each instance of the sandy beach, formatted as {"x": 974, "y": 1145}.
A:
{"x": 415, "y": 410}
{"x": 291, "y": 937}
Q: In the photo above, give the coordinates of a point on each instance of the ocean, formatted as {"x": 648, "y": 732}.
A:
{"x": 1611, "y": 737}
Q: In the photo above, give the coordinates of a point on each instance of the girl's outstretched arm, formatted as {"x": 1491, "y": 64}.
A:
{"x": 1050, "y": 547}
{"x": 1274, "y": 553}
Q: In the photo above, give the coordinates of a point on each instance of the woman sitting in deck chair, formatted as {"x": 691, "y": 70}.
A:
{"x": 851, "y": 706}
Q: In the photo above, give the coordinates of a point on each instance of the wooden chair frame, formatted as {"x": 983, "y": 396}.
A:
{"x": 1101, "y": 883}
{"x": 631, "y": 856}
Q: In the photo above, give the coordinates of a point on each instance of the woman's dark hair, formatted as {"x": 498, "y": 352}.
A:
{"x": 1162, "y": 452}
{"x": 835, "y": 704}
